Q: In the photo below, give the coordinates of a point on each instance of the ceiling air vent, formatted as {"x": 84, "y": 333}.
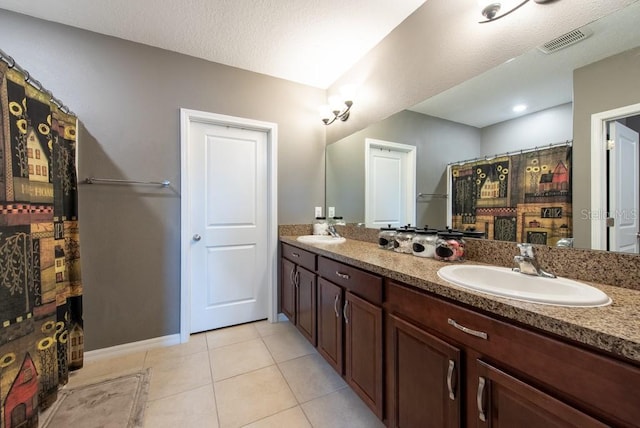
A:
{"x": 568, "y": 39}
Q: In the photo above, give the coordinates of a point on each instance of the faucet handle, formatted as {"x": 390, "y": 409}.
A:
{"x": 526, "y": 250}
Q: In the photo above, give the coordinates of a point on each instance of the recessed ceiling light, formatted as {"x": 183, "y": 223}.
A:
{"x": 520, "y": 107}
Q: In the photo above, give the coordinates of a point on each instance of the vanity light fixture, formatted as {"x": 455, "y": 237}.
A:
{"x": 493, "y": 10}
{"x": 339, "y": 106}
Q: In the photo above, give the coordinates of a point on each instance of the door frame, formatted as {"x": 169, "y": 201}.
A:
{"x": 599, "y": 188}
{"x": 188, "y": 116}
{"x": 410, "y": 174}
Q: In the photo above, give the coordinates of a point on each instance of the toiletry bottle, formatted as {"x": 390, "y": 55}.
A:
{"x": 450, "y": 246}
{"x": 386, "y": 237}
{"x": 320, "y": 226}
{"x": 424, "y": 242}
{"x": 339, "y": 221}
{"x": 403, "y": 240}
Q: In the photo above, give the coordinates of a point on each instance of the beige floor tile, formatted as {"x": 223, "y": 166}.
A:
{"x": 194, "y": 408}
{"x": 340, "y": 409}
{"x": 231, "y": 335}
{"x": 179, "y": 374}
{"x": 252, "y": 396}
{"x": 265, "y": 328}
{"x": 287, "y": 346}
{"x": 310, "y": 377}
{"x": 291, "y": 418}
{"x": 239, "y": 358}
{"x": 197, "y": 343}
{"x": 100, "y": 369}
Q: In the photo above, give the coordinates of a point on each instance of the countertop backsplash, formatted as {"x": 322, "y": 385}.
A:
{"x": 617, "y": 269}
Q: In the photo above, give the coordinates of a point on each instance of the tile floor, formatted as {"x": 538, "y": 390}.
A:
{"x": 254, "y": 375}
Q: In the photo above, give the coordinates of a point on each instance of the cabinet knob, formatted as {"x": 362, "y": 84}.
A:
{"x": 197, "y": 237}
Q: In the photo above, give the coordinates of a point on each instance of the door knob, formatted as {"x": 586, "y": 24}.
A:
{"x": 197, "y": 237}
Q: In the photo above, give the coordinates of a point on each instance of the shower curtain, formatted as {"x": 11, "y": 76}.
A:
{"x": 41, "y": 336}
{"x": 521, "y": 197}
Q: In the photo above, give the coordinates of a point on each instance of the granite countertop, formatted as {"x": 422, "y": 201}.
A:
{"x": 614, "y": 328}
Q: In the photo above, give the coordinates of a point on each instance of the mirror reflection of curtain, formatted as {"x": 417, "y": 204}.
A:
{"x": 40, "y": 284}
{"x": 522, "y": 197}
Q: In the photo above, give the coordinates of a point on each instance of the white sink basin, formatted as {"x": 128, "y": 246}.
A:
{"x": 504, "y": 282}
{"x": 320, "y": 239}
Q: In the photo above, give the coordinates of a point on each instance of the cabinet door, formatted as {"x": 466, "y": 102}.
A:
{"x": 423, "y": 375}
{"x": 288, "y": 290}
{"x": 330, "y": 323}
{"x": 363, "y": 353}
{"x": 306, "y": 304}
{"x": 504, "y": 401}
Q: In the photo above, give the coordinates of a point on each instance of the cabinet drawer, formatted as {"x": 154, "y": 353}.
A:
{"x": 300, "y": 257}
{"x": 361, "y": 283}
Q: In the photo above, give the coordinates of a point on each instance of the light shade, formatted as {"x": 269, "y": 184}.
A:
{"x": 339, "y": 105}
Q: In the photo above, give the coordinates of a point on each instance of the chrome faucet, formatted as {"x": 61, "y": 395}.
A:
{"x": 528, "y": 264}
{"x": 333, "y": 232}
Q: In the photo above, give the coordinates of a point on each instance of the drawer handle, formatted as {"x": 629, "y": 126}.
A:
{"x": 344, "y": 312}
{"x": 452, "y": 367}
{"x": 295, "y": 254}
{"x": 342, "y": 275}
{"x": 476, "y": 333}
{"x": 335, "y": 305}
{"x": 480, "y": 399}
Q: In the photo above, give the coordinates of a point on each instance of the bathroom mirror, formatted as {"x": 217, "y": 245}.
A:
{"x": 474, "y": 120}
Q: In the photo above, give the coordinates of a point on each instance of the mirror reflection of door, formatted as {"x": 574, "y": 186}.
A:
{"x": 624, "y": 185}
{"x": 390, "y": 177}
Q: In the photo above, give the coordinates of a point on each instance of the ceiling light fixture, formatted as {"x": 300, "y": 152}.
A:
{"x": 494, "y": 10}
{"x": 520, "y": 107}
{"x": 339, "y": 106}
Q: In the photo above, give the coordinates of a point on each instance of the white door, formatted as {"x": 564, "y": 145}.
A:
{"x": 228, "y": 210}
{"x": 390, "y": 184}
{"x": 624, "y": 185}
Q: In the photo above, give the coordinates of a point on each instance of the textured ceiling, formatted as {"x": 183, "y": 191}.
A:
{"x": 307, "y": 41}
{"x": 540, "y": 81}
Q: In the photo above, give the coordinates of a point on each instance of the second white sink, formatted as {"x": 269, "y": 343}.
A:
{"x": 504, "y": 282}
{"x": 320, "y": 239}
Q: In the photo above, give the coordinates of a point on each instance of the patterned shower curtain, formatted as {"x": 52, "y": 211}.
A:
{"x": 41, "y": 336}
{"x": 523, "y": 197}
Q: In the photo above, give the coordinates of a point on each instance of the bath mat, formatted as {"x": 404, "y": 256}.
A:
{"x": 113, "y": 403}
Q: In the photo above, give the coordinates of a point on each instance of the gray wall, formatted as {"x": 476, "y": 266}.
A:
{"x": 598, "y": 87}
{"x": 442, "y": 45}
{"x": 127, "y": 97}
{"x": 438, "y": 142}
{"x": 541, "y": 128}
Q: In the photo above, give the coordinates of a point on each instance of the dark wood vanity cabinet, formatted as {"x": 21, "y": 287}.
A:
{"x": 350, "y": 328}
{"x": 288, "y": 290}
{"x": 298, "y": 290}
{"x": 306, "y": 292}
{"x": 330, "y": 304}
{"x": 363, "y": 350}
{"x": 423, "y": 376}
{"x": 503, "y": 400}
{"x": 420, "y": 360}
{"x": 509, "y": 376}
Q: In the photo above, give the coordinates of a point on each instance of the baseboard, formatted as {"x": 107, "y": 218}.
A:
{"x": 130, "y": 348}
